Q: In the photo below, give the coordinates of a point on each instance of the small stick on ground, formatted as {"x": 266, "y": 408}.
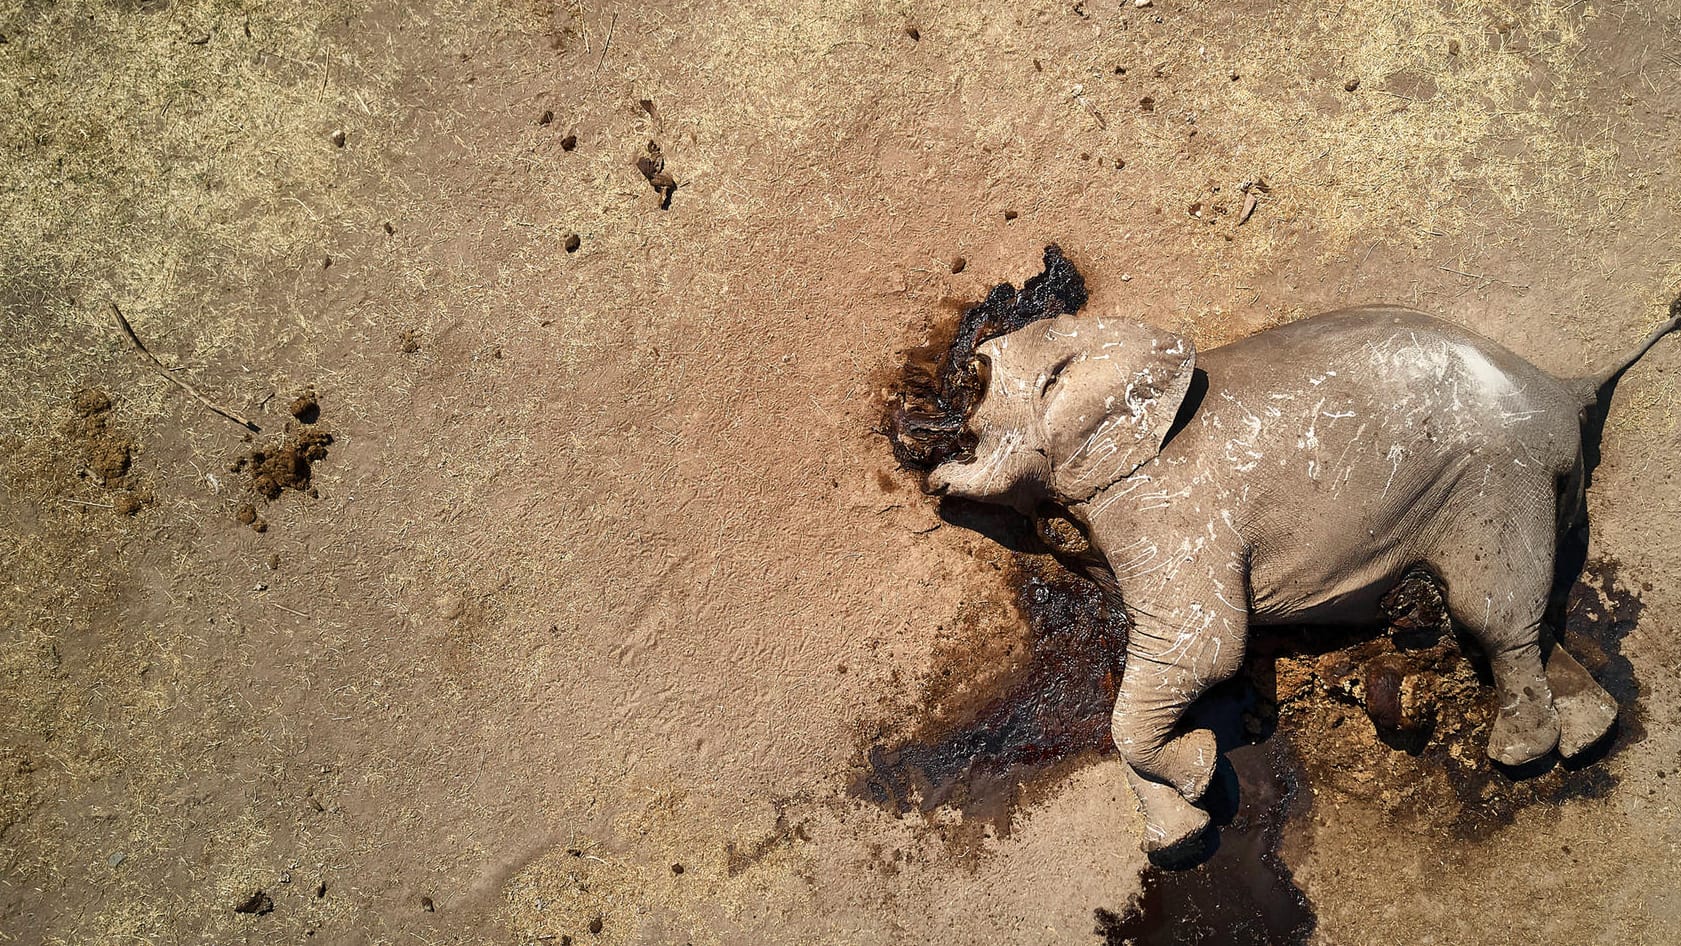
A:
{"x": 158, "y": 366}
{"x": 609, "y": 43}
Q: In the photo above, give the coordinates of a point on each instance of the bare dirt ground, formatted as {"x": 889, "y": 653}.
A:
{"x": 573, "y": 610}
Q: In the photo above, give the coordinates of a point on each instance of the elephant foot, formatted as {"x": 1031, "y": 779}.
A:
{"x": 1585, "y": 711}
{"x": 1171, "y": 824}
{"x": 1198, "y": 754}
{"x": 1525, "y": 730}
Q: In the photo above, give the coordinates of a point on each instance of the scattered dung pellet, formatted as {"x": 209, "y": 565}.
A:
{"x": 246, "y": 514}
{"x": 90, "y": 401}
{"x": 339, "y": 137}
{"x": 427, "y": 905}
{"x": 573, "y": 241}
{"x": 389, "y": 229}
{"x": 569, "y": 142}
{"x": 678, "y": 868}
{"x": 914, "y": 33}
{"x": 1010, "y": 215}
{"x": 546, "y": 117}
{"x": 320, "y": 890}
{"x": 958, "y": 264}
{"x": 595, "y": 926}
{"x": 306, "y": 408}
{"x": 1147, "y": 104}
{"x": 258, "y": 904}
{"x": 1120, "y": 164}
{"x": 1351, "y": 85}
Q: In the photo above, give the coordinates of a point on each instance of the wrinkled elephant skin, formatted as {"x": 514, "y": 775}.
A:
{"x": 1295, "y": 476}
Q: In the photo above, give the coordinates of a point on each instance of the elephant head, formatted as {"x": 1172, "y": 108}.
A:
{"x": 1071, "y": 405}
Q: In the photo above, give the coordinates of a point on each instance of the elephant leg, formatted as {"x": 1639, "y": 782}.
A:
{"x": 1585, "y": 711}
{"x": 1173, "y": 657}
{"x": 1169, "y": 820}
{"x": 1497, "y": 589}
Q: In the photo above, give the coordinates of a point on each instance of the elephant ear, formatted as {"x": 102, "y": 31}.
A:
{"x": 1108, "y": 407}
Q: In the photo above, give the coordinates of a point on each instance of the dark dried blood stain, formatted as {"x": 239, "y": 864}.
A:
{"x": 1045, "y": 710}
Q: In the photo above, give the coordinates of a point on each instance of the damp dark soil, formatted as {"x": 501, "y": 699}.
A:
{"x": 1241, "y": 893}
{"x": 1400, "y": 721}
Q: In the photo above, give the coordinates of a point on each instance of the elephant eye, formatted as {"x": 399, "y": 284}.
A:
{"x": 1055, "y": 374}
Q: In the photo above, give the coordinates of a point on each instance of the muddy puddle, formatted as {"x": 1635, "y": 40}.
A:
{"x": 1393, "y": 719}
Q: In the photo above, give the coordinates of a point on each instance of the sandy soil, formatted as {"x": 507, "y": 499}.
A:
{"x": 583, "y": 623}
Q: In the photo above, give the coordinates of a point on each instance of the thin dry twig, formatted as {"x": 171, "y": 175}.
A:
{"x": 608, "y": 44}
{"x": 158, "y": 366}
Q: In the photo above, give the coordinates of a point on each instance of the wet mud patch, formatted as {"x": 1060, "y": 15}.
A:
{"x": 1241, "y": 894}
{"x": 1013, "y": 704}
{"x": 939, "y": 384}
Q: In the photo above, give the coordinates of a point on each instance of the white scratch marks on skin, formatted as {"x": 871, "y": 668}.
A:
{"x": 1396, "y": 454}
{"x": 1309, "y": 439}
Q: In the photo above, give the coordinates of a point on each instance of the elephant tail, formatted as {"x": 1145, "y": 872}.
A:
{"x": 1595, "y": 390}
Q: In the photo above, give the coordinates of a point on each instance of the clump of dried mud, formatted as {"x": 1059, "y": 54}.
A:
{"x": 1400, "y": 722}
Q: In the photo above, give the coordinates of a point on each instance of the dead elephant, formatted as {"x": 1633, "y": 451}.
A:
{"x": 1294, "y": 477}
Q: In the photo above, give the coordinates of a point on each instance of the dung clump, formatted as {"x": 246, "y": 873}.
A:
{"x": 259, "y": 903}
{"x": 288, "y": 464}
{"x": 306, "y": 408}
{"x": 105, "y": 451}
{"x": 652, "y": 165}
{"x": 940, "y": 383}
